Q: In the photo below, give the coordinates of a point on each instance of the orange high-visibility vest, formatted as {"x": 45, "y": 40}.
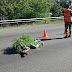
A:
{"x": 67, "y": 16}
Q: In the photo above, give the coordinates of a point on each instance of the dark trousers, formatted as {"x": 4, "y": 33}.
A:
{"x": 68, "y": 25}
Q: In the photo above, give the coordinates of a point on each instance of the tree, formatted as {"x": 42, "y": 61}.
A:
{"x": 63, "y": 4}
{"x": 18, "y": 9}
{"x": 56, "y": 10}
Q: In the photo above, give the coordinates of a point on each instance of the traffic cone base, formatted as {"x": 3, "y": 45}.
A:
{"x": 65, "y": 31}
{"x": 45, "y": 34}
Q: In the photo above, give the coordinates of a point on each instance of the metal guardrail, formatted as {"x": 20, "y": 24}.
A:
{"x": 30, "y": 20}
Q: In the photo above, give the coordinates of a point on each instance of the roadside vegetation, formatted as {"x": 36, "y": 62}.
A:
{"x": 26, "y": 9}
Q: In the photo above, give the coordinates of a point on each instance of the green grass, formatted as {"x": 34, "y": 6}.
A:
{"x": 47, "y": 22}
{"x": 31, "y": 23}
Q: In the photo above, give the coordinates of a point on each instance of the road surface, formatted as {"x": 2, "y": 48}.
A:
{"x": 54, "y": 56}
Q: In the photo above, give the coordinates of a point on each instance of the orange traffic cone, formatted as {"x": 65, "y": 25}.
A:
{"x": 45, "y": 34}
{"x": 65, "y": 31}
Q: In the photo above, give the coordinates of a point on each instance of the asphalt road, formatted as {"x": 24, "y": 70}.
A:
{"x": 54, "y": 56}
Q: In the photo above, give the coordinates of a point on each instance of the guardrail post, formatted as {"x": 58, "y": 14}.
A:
{"x": 45, "y": 22}
{"x": 17, "y": 24}
{"x": 1, "y": 25}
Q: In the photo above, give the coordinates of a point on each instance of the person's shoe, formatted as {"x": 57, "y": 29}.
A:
{"x": 69, "y": 36}
{"x": 65, "y": 36}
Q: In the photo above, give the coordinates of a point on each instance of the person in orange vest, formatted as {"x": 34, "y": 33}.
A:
{"x": 67, "y": 20}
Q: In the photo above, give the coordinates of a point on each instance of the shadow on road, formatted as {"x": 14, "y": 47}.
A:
{"x": 9, "y": 51}
{"x": 51, "y": 39}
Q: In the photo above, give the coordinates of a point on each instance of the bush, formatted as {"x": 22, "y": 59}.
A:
{"x": 23, "y": 41}
{"x": 22, "y": 9}
{"x": 56, "y": 10}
